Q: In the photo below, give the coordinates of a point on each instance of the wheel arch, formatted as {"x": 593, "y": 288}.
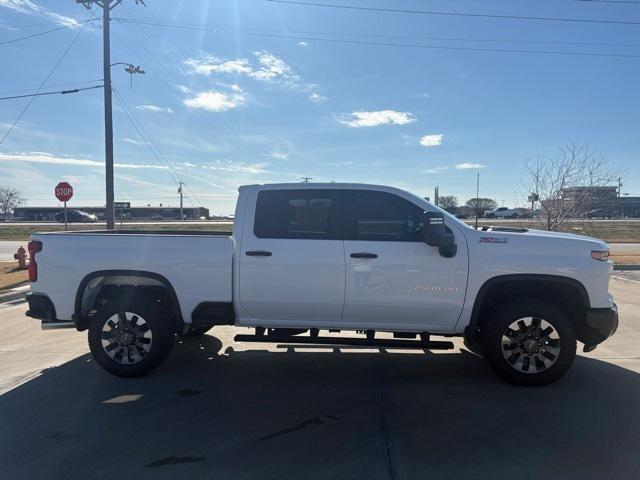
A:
{"x": 129, "y": 278}
{"x": 569, "y": 295}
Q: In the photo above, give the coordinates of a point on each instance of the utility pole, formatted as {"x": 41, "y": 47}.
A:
{"x": 180, "y": 192}
{"x": 618, "y": 209}
{"x": 477, "y": 195}
{"x": 106, "y": 6}
{"x": 306, "y": 179}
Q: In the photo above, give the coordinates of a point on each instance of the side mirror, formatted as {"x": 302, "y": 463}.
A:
{"x": 436, "y": 234}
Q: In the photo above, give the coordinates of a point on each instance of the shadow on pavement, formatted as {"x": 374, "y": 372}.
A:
{"x": 253, "y": 414}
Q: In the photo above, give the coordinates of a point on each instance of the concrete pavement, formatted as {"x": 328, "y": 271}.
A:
{"x": 217, "y": 409}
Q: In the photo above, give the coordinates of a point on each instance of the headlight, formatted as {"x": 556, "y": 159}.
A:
{"x": 601, "y": 255}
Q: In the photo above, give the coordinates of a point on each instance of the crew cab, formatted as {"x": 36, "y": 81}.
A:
{"x": 305, "y": 261}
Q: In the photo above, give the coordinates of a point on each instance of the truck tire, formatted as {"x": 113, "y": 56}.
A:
{"x": 193, "y": 332}
{"x": 528, "y": 342}
{"x": 130, "y": 338}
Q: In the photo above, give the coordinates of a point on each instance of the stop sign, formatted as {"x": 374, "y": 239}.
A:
{"x": 64, "y": 191}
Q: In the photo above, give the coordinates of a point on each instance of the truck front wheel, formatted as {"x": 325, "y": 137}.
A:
{"x": 130, "y": 338}
{"x": 529, "y": 342}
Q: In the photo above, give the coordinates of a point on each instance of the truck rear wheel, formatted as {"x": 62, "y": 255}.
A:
{"x": 130, "y": 338}
{"x": 529, "y": 342}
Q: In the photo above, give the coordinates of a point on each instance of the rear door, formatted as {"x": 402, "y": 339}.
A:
{"x": 292, "y": 270}
{"x": 394, "y": 279}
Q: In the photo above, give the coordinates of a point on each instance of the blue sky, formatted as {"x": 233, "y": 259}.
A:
{"x": 243, "y": 105}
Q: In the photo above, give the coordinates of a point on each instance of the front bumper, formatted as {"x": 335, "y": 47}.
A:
{"x": 601, "y": 323}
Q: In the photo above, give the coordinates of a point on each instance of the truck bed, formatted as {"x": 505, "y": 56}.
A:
{"x": 197, "y": 264}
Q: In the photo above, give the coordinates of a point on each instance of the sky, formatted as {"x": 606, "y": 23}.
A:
{"x": 252, "y": 91}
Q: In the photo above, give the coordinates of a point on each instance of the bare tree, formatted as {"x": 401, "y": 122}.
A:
{"x": 481, "y": 205}
{"x": 448, "y": 203}
{"x": 571, "y": 184}
{"x": 10, "y": 198}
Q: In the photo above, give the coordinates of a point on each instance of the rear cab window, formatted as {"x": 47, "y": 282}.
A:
{"x": 305, "y": 214}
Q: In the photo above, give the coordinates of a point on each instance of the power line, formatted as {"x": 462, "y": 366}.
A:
{"x": 455, "y": 14}
{"x": 147, "y": 140}
{"x": 257, "y": 31}
{"x": 423, "y": 46}
{"x": 15, "y": 92}
{"x": 39, "y": 34}
{"x": 622, "y": 2}
{"x": 60, "y": 92}
{"x": 238, "y": 140}
{"x": 53, "y": 69}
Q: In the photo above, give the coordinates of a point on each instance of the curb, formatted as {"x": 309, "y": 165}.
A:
{"x": 623, "y": 266}
{"x": 11, "y": 295}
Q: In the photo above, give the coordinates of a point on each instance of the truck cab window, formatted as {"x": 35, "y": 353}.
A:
{"x": 380, "y": 216}
{"x": 301, "y": 214}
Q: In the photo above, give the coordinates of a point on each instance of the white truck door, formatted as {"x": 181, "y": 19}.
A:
{"x": 394, "y": 279}
{"x": 291, "y": 269}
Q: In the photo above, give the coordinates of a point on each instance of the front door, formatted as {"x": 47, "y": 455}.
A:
{"x": 292, "y": 270}
{"x": 394, "y": 279}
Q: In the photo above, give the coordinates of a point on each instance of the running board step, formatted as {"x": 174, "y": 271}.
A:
{"x": 355, "y": 342}
{"x": 57, "y": 324}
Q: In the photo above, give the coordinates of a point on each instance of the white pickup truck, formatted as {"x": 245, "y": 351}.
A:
{"x": 502, "y": 212}
{"x": 305, "y": 258}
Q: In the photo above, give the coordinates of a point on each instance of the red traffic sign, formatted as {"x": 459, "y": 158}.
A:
{"x": 64, "y": 191}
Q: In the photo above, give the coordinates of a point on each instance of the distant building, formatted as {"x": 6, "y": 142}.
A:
{"x": 45, "y": 214}
{"x": 629, "y": 207}
{"x": 591, "y": 198}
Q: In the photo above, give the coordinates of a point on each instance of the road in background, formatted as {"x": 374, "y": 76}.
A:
{"x": 217, "y": 409}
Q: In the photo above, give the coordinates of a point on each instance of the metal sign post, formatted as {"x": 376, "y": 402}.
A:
{"x": 64, "y": 193}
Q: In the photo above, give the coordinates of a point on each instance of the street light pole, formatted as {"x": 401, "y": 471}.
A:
{"x": 108, "y": 114}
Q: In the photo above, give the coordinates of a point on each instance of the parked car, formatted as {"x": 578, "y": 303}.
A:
{"x": 306, "y": 258}
{"x": 76, "y": 216}
{"x": 502, "y": 212}
{"x": 157, "y": 216}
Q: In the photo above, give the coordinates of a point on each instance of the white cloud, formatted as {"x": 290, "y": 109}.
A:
{"x": 209, "y": 64}
{"x": 266, "y": 67}
{"x": 272, "y": 68}
{"x": 435, "y": 170}
{"x": 468, "y": 165}
{"x": 215, "y": 101}
{"x": 52, "y": 159}
{"x": 316, "y": 97}
{"x": 279, "y": 155}
{"x": 132, "y": 141}
{"x": 303, "y": 44}
{"x": 338, "y": 164}
{"x": 431, "y": 140}
{"x": 153, "y": 108}
{"x": 183, "y": 88}
{"x": 228, "y": 166}
{"x": 376, "y": 118}
{"x": 30, "y": 8}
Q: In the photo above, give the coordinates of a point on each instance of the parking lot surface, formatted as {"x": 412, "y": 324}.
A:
{"x": 219, "y": 410}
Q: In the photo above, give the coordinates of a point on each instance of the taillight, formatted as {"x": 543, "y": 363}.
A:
{"x": 601, "y": 255}
{"x": 34, "y": 247}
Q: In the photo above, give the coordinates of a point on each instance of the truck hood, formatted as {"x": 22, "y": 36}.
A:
{"x": 495, "y": 233}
